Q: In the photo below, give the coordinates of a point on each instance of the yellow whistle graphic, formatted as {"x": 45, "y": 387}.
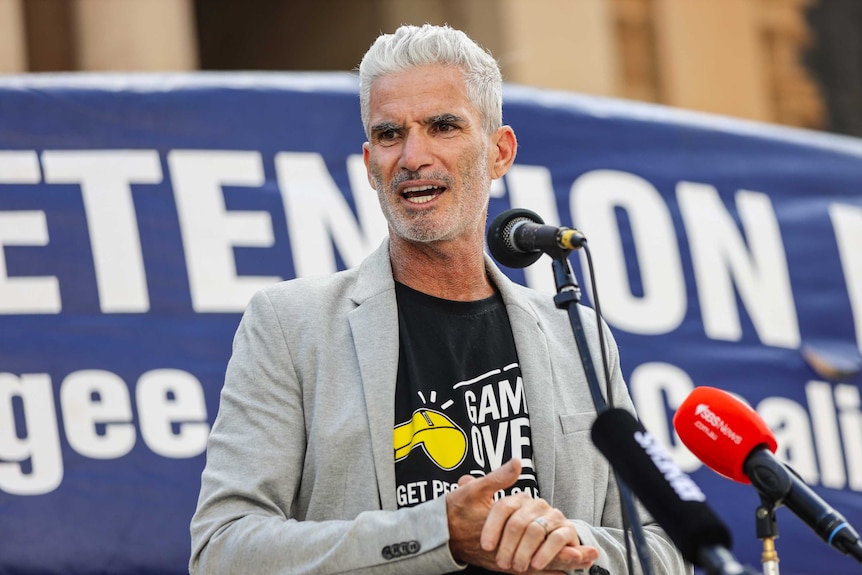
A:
{"x": 443, "y": 441}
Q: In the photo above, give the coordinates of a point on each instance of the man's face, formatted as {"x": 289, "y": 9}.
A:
{"x": 427, "y": 156}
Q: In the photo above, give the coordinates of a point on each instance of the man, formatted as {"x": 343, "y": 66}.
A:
{"x": 421, "y": 413}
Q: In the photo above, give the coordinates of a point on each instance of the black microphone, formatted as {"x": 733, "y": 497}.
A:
{"x": 671, "y": 496}
{"x": 519, "y": 237}
{"x": 733, "y": 440}
{"x": 780, "y": 484}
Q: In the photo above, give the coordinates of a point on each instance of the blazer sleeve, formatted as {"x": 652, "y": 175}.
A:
{"x": 255, "y": 455}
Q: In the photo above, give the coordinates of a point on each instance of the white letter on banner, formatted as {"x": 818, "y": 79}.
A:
{"x": 850, "y": 419}
{"x": 168, "y": 397}
{"x": 721, "y": 260}
{"x": 22, "y": 295}
{"x": 210, "y": 231}
{"x": 594, "y": 198}
{"x": 827, "y": 438}
{"x": 105, "y": 178}
{"x": 530, "y": 187}
{"x": 847, "y": 221}
{"x": 40, "y": 442}
{"x": 97, "y": 414}
{"x": 318, "y": 214}
{"x": 650, "y": 383}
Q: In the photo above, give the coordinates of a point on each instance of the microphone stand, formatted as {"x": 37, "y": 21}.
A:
{"x": 567, "y": 298}
{"x": 767, "y": 531}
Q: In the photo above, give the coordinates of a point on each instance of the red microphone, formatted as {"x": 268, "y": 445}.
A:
{"x": 721, "y": 431}
{"x": 733, "y": 440}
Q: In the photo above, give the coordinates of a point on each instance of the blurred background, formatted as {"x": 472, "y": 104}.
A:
{"x": 790, "y": 62}
{"x": 744, "y": 240}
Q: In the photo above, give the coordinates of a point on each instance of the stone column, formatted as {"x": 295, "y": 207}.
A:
{"x": 560, "y": 44}
{"x": 135, "y": 35}
{"x": 13, "y": 46}
{"x": 711, "y": 58}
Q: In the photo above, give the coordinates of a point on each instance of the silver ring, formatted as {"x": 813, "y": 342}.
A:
{"x": 541, "y": 521}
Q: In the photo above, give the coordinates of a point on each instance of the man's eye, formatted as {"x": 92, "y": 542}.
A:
{"x": 387, "y": 135}
{"x": 446, "y": 127}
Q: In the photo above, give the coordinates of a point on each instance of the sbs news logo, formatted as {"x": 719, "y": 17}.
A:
{"x": 715, "y": 422}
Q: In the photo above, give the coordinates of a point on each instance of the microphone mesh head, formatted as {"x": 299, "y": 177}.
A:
{"x": 499, "y": 238}
{"x": 507, "y": 233}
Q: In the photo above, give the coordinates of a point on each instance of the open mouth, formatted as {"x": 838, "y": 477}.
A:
{"x": 421, "y": 194}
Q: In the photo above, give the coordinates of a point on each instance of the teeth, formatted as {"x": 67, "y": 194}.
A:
{"x": 420, "y": 194}
{"x": 418, "y": 189}
{"x": 420, "y": 199}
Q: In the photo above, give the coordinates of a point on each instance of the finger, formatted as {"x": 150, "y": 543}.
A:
{"x": 560, "y": 549}
{"x": 498, "y": 520}
{"x": 569, "y": 558}
{"x": 501, "y": 478}
{"x": 534, "y": 536}
{"x": 464, "y": 480}
{"x": 482, "y": 489}
{"x": 467, "y": 507}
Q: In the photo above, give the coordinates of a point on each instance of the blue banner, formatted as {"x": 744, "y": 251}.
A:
{"x": 139, "y": 213}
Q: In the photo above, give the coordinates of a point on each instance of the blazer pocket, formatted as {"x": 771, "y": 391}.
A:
{"x": 577, "y": 422}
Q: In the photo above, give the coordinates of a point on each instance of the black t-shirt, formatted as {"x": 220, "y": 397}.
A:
{"x": 460, "y": 406}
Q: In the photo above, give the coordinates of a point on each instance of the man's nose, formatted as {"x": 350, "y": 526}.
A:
{"x": 416, "y": 152}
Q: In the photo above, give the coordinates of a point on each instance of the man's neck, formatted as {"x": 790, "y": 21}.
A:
{"x": 444, "y": 270}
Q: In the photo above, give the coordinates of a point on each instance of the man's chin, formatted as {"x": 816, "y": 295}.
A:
{"x": 423, "y": 237}
{"x": 420, "y": 232}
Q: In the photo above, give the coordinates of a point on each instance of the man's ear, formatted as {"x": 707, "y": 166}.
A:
{"x": 503, "y": 151}
{"x": 366, "y": 152}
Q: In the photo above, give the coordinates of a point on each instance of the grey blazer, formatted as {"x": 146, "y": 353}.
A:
{"x": 300, "y": 473}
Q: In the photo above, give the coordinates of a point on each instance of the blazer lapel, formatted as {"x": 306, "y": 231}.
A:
{"x": 374, "y": 325}
{"x": 535, "y": 361}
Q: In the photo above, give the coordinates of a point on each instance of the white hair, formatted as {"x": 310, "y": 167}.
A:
{"x": 411, "y": 47}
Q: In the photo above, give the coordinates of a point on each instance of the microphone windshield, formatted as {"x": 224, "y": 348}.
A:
{"x": 671, "y": 496}
{"x": 721, "y": 431}
{"x": 500, "y": 242}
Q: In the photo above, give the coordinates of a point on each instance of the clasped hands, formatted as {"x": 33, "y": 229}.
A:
{"x": 516, "y": 534}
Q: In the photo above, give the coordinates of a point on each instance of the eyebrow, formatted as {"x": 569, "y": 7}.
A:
{"x": 384, "y": 127}
{"x": 445, "y": 118}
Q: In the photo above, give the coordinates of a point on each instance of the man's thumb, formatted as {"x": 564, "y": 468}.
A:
{"x": 502, "y": 477}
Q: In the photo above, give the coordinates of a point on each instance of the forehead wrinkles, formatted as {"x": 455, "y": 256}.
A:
{"x": 398, "y": 113}
{"x": 419, "y": 94}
